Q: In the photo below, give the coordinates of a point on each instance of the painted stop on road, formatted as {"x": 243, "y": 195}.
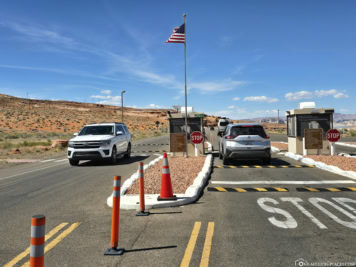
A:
{"x": 196, "y": 138}
{"x": 333, "y": 135}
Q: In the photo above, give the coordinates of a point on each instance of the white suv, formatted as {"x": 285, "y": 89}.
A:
{"x": 100, "y": 141}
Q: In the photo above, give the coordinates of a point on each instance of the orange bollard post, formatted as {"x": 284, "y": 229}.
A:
{"x": 166, "y": 184}
{"x": 113, "y": 250}
{"x": 38, "y": 223}
{"x": 142, "y": 211}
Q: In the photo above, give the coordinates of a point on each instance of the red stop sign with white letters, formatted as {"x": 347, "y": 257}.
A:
{"x": 333, "y": 135}
{"x": 196, "y": 138}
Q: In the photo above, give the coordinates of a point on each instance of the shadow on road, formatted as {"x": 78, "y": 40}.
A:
{"x": 120, "y": 161}
{"x": 274, "y": 162}
{"x": 146, "y": 249}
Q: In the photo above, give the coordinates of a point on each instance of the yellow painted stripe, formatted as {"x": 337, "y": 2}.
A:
{"x": 244, "y": 166}
{"x": 221, "y": 189}
{"x": 220, "y": 167}
{"x": 284, "y": 166}
{"x": 191, "y": 245}
{"x": 233, "y": 167}
{"x": 351, "y": 188}
{"x": 280, "y": 189}
{"x": 58, "y": 239}
{"x": 261, "y": 189}
{"x": 334, "y": 189}
{"x": 207, "y": 245}
{"x": 271, "y": 166}
{"x": 311, "y": 166}
{"x": 258, "y": 166}
{"x": 240, "y": 190}
{"x": 27, "y": 251}
{"x": 312, "y": 189}
{"x": 298, "y": 166}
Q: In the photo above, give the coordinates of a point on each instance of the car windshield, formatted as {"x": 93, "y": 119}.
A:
{"x": 97, "y": 130}
{"x": 248, "y": 130}
{"x": 224, "y": 123}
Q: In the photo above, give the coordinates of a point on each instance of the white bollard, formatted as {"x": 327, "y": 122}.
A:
{"x": 332, "y": 148}
{"x": 197, "y": 152}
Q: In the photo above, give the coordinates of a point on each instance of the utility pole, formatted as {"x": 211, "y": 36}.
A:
{"x": 278, "y": 119}
{"x": 122, "y": 106}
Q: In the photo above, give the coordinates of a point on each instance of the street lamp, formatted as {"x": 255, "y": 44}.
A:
{"x": 122, "y": 105}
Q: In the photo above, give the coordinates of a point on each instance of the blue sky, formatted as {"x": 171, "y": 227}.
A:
{"x": 244, "y": 58}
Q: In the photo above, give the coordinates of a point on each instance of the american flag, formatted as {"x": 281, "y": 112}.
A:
{"x": 178, "y": 35}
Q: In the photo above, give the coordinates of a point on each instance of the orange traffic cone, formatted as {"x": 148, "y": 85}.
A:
{"x": 166, "y": 185}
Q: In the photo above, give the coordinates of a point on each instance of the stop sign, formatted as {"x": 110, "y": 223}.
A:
{"x": 333, "y": 135}
{"x": 196, "y": 137}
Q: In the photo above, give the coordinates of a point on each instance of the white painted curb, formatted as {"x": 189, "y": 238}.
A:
{"x": 275, "y": 149}
{"x": 343, "y": 144}
{"x": 321, "y": 165}
{"x": 151, "y": 202}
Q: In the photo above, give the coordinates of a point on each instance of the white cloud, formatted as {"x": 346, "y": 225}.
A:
{"x": 231, "y": 107}
{"x": 236, "y": 98}
{"x": 154, "y": 106}
{"x": 323, "y": 93}
{"x": 318, "y": 93}
{"x": 216, "y": 86}
{"x": 261, "y": 99}
{"x": 299, "y": 95}
{"x": 340, "y": 95}
{"x": 107, "y": 92}
{"x": 241, "y": 110}
{"x": 344, "y": 110}
{"x": 108, "y": 99}
{"x": 223, "y": 113}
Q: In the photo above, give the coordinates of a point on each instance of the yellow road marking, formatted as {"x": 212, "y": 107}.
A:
{"x": 260, "y": 189}
{"x": 258, "y": 166}
{"x": 221, "y": 189}
{"x": 351, "y": 188}
{"x": 55, "y": 241}
{"x": 284, "y": 166}
{"x": 312, "y": 189}
{"x": 244, "y": 166}
{"x": 298, "y": 166}
{"x": 233, "y": 167}
{"x": 191, "y": 245}
{"x": 207, "y": 245}
{"x": 311, "y": 166}
{"x": 271, "y": 166}
{"x": 220, "y": 167}
{"x": 280, "y": 189}
{"x": 27, "y": 251}
{"x": 240, "y": 190}
{"x": 334, "y": 189}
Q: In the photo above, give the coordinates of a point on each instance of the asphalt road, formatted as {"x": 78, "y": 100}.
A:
{"x": 223, "y": 228}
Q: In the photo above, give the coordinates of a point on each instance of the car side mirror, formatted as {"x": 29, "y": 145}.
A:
{"x": 75, "y": 134}
{"x": 119, "y": 133}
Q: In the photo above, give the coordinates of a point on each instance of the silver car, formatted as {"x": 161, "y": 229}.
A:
{"x": 244, "y": 141}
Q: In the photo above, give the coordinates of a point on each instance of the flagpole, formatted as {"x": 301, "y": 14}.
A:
{"x": 185, "y": 78}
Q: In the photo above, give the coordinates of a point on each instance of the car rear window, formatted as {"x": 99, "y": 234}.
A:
{"x": 248, "y": 130}
{"x": 223, "y": 123}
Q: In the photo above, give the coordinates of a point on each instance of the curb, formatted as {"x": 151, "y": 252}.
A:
{"x": 321, "y": 165}
{"x": 191, "y": 194}
{"x": 343, "y": 144}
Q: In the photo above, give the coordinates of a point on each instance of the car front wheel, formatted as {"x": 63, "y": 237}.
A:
{"x": 74, "y": 162}
{"x": 128, "y": 152}
{"x": 113, "y": 155}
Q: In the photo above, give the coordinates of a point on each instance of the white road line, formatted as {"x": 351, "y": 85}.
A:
{"x": 61, "y": 160}
{"x": 286, "y": 182}
{"x": 48, "y": 160}
{"x": 3, "y": 178}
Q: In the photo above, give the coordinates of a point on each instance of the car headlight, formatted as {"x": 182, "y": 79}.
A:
{"x": 105, "y": 143}
{"x": 70, "y": 144}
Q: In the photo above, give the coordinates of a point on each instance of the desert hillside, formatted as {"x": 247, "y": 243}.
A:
{"x": 24, "y": 115}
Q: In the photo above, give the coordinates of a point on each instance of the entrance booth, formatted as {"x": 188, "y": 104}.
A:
{"x": 303, "y": 141}
{"x": 177, "y": 131}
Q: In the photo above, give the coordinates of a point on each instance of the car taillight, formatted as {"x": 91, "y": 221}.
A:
{"x": 231, "y": 136}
